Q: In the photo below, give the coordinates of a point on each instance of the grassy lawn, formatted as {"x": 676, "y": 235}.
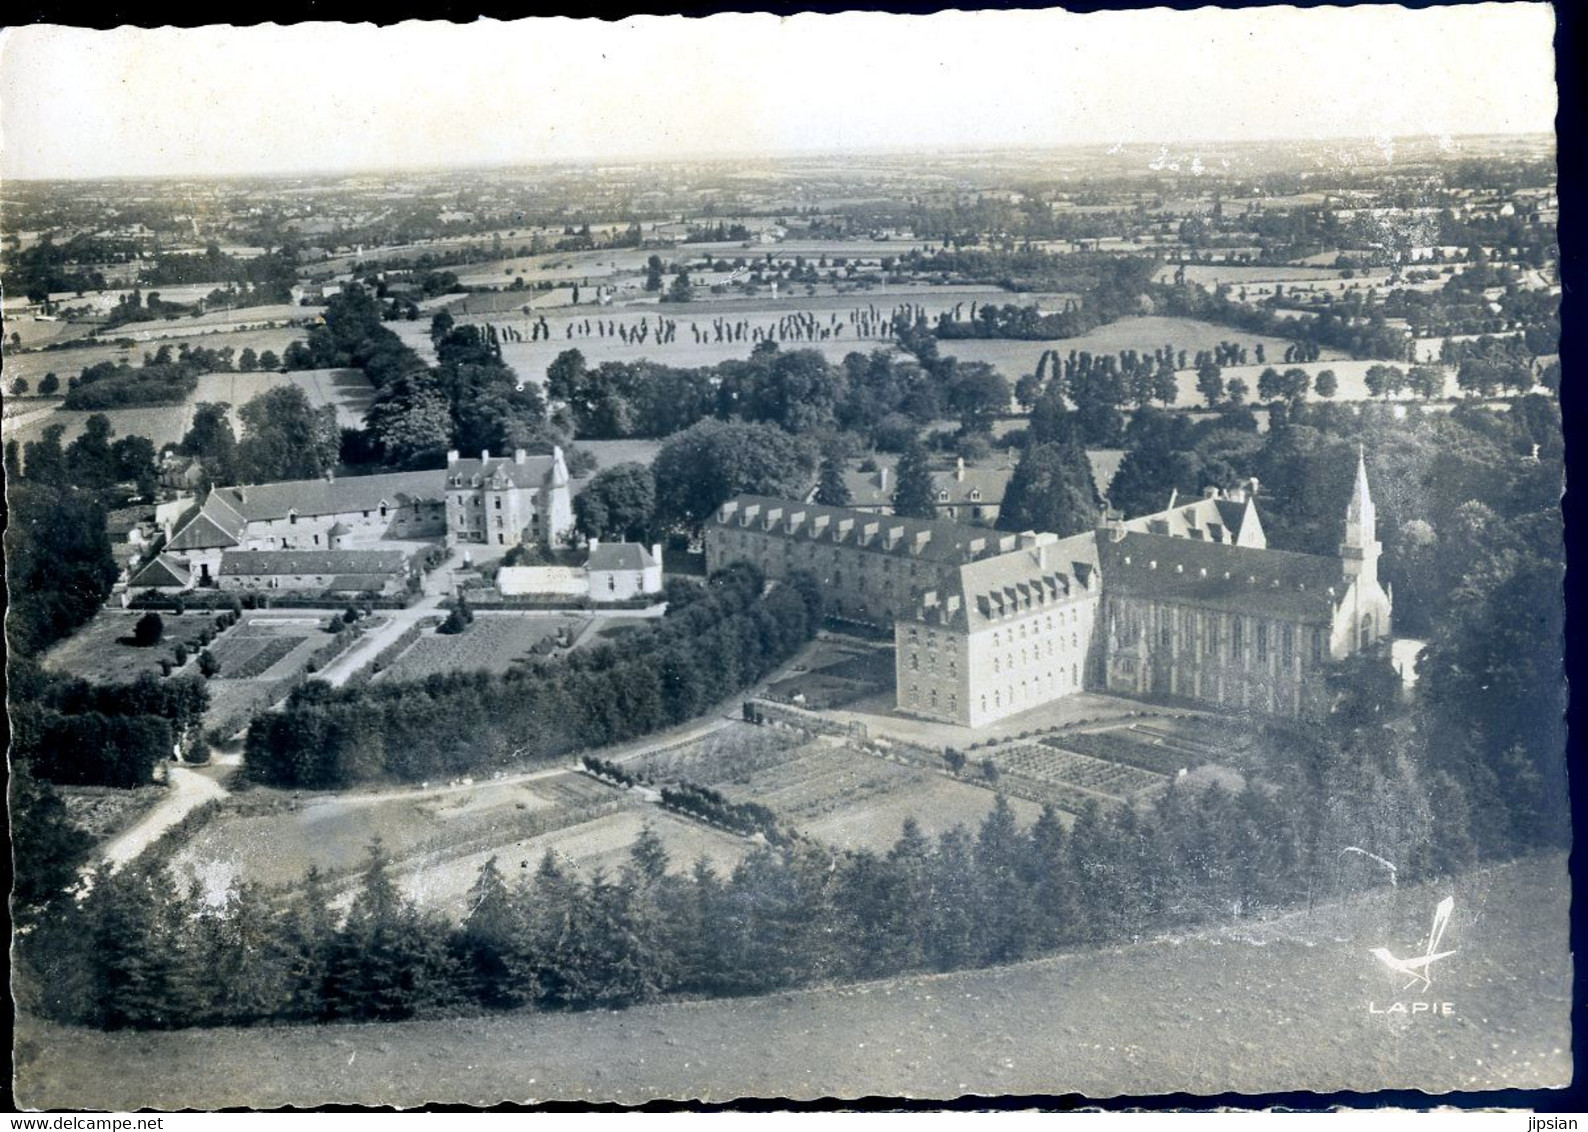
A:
{"x": 102, "y": 651}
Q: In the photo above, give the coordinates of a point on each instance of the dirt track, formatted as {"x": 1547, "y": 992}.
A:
{"x": 1253, "y": 1008}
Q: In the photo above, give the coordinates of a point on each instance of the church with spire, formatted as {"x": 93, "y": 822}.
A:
{"x": 1189, "y": 603}
{"x": 1197, "y": 606}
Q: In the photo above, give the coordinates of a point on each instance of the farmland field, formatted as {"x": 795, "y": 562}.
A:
{"x": 1158, "y": 748}
{"x": 730, "y": 754}
{"x": 348, "y": 390}
{"x": 1251, "y": 1007}
{"x": 1056, "y": 765}
{"x": 855, "y": 800}
{"x": 96, "y": 652}
{"x": 492, "y": 643}
{"x": 601, "y": 843}
{"x": 71, "y": 361}
{"x": 936, "y": 803}
{"x": 1210, "y": 275}
{"x": 271, "y": 839}
{"x": 1014, "y": 358}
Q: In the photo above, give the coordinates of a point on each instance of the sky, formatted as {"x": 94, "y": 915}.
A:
{"x": 224, "y": 101}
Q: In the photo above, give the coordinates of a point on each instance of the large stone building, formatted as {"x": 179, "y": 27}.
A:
{"x": 872, "y": 567}
{"x": 1188, "y": 603}
{"x": 508, "y": 500}
{"x": 319, "y": 514}
{"x": 497, "y": 502}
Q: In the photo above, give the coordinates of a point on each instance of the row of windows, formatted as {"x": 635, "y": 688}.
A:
{"x": 1203, "y": 632}
{"x": 1053, "y": 683}
{"x": 952, "y": 700}
{"x": 1035, "y": 653}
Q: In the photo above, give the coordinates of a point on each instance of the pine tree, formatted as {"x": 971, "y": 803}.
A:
{"x": 952, "y": 936}
{"x": 1003, "y": 899}
{"x": 375, "y": 969}
{"x": 494, "y": 943}
{"x": 832, "y": 490}
{"x": 914, "y": 497}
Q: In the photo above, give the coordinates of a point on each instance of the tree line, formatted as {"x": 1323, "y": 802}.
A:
{"x": 138, "y": 952}
{"x": 715, "y": 640}
{"x": 72, "y": 732}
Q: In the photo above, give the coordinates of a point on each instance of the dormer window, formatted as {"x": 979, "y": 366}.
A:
{"x": 292, "y": 517}
{"x": 942, "y": 496}
{"x": 975, "y": 495}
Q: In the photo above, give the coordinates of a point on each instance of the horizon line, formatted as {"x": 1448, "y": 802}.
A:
{"x": 796, "y": 153}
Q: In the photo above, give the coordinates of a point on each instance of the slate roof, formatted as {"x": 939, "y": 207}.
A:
{"x": 1236, "y": 579}
{"x": 974, "y": 486}
{"x": 619, "y": 556}
{"x": 1016, "y": 582}
{"x": 928, "y": 540}
{"x": 265, "y": 501}
{"x": 374, "y": 563}
{"x": 206, "y": 530}
{"x": 162, "y": 570}
{"x": 533, "y": 472}
{"x": 1209, "y": 520}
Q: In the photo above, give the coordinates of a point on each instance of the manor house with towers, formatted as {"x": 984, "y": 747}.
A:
{"x": 1185, "y": 604}
{"x": 299, "y": 533}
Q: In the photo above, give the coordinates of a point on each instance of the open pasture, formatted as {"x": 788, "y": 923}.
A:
{"x": 1350, "y": 379}
{"x": 1013, "y": 358}
{"x": 32, "y": 334}
{"x": 872, "y": 819}
{"x": 493, "y": 642}
{"x": 441, "y": 882}
{"x": 272, "y": 316}
{"x": 709, "y": 331}
{"x": 102, "y": 650}
{"x": 272, "y": 838}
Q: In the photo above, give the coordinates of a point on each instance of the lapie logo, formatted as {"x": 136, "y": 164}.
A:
{"x": 1418, "y": 969}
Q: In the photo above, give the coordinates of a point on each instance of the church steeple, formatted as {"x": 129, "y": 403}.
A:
{"x": 1361, "y": 547}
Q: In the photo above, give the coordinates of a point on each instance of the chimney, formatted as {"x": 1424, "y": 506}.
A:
{"x": 452, "y": 457}
{"x": 1211, "y": 492}
{"x": 595, "y": 545}
{"x": 485, "y": 455}
{"x": 1174, "y": 497}
{"x": 959, "y": 469}
{"x": 656, "y": 552}
{"x": 518, "y": 456}
{"x": 882, "y": 478}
